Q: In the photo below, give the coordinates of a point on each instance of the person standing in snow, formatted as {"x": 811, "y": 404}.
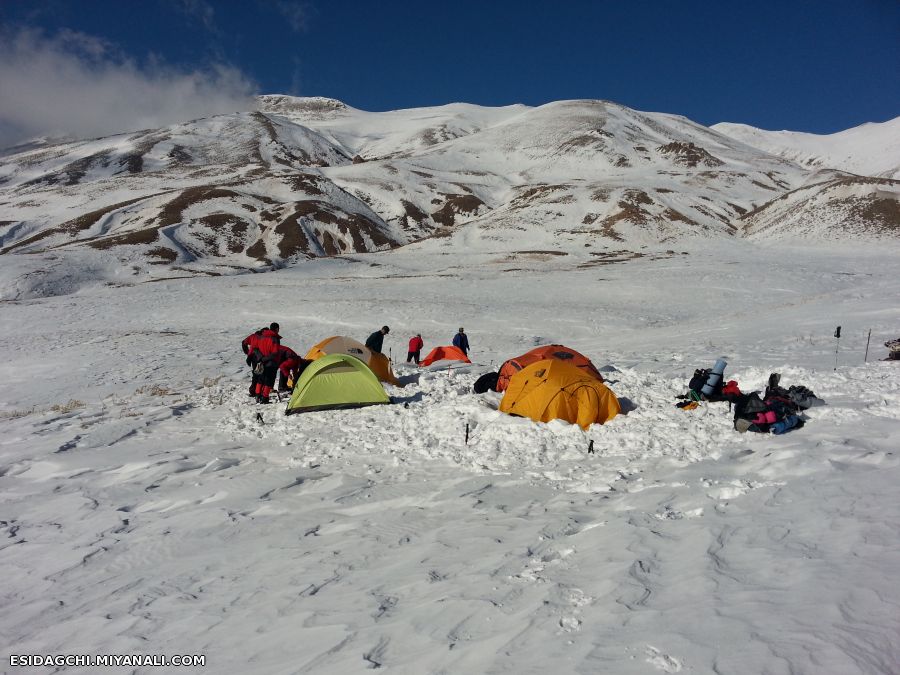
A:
{"x": 266, "y": 356}
{"x": 376, "y": 339}
{"x": 415, "y": 349}
{"x": 461, "y": 341}
{"x": 248, "y": 346}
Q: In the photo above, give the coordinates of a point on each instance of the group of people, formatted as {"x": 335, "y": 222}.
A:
{"x": 375, "y": 342}
{"x": 267, "y": 357}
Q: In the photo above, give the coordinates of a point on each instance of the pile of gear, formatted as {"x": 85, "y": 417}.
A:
{"x": 893, "y": 350}
{"x": 777, "y": 411}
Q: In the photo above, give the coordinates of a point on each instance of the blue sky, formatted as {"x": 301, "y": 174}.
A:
{"x": 805, "y": 65}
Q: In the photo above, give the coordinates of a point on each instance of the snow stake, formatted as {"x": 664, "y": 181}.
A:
{"x": 867, "y": 346}
{"x": 591, "y": 447}
{"x": 467, "y": 434}
{"x": 837, "y": 344}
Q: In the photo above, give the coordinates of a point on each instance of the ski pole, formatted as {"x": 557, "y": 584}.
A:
{"x": 867, "y": 346}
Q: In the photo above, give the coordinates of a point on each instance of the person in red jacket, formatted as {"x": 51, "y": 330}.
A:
{"x": 290, "y": 368}
{"x": 248, "y": 344}
{"x": 265, "y": 357}
{"x": 415, "y": 349}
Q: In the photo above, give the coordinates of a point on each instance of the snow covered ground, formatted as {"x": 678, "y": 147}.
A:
{"x": 147, "y": 510}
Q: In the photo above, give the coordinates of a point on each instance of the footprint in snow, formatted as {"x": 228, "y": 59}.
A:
{"x": 663, "y": 662}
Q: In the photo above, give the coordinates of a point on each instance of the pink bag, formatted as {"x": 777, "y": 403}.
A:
{"x": 767, "y": 417}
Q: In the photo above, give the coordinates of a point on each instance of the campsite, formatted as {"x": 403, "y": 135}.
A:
{"x": 162, "y": 507}
{"x": 493, "y": 338}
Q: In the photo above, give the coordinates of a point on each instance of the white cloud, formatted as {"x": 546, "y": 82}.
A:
{"x": 80, "y": 86}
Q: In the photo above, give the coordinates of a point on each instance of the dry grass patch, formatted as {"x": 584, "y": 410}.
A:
{"x": 155, "y": 390}
{"x": 72, "y": 404}
{"x": 16, "y": 414}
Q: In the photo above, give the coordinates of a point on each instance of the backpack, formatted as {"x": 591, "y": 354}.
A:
{"x": 746, "y": 409}
{"x": 731, "y": 392}
{"x": 486, "y": 382}
{"x": 803, "y": 398}
{"x": 700, "y": 379}
{"x": 701, "y": 376}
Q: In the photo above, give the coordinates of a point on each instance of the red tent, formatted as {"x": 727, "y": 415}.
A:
{"x": 444, "y": 354}
{"x": 556, "y": 352}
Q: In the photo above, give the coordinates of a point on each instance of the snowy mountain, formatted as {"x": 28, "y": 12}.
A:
{"x": 830, "y": 208}
{"x": 311, "y": 177}
{"x": 872, "y": 149}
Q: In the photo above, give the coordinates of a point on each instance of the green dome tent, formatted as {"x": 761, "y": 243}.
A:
{"x": 336, "y": 381}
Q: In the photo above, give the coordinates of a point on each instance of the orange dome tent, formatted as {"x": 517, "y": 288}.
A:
{"x": 444, "y": 354}
{"x": 552, "y": 389}
{"x": 557, "y": 352}
{"x": 341, "y": 344}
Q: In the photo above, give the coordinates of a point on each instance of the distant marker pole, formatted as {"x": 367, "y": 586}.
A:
{"x": 837, "y": 344}
{"x": 467, "y": 434}
{"x": 866, "y": 359}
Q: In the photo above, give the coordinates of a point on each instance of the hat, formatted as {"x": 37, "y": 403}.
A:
{"x": 460, "y": 330}
{"x": 274, "y": 326}
{"x": 385, "y": 329}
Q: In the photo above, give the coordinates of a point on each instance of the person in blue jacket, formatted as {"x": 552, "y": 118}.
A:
{"x": 461, "y": 341}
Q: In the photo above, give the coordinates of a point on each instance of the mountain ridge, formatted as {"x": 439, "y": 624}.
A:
{"x": 308, "y": 177}
{"x": 870, "y": 149}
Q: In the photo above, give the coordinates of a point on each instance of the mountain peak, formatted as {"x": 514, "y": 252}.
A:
{"x": 318, "y": 107}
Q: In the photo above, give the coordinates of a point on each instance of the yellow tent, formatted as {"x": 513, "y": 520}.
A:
{"x": 341, "y": 344}
{"x": 552, "y": 389}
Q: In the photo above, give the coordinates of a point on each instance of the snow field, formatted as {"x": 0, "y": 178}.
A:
{"x": 146, "y": 510}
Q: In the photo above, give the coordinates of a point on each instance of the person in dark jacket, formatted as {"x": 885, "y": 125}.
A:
{"x": 415, "y": 349}
{"x": 266, "y": 356}
{"x": 248, "y": 345}
{"x": 461, "y": 341}
{"x": 376, "y": 339}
